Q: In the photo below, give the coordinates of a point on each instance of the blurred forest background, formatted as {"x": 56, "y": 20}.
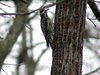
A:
{"x": 28, "y": 54}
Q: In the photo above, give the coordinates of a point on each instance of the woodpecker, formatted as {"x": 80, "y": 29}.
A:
{"x": 46, "y": 26}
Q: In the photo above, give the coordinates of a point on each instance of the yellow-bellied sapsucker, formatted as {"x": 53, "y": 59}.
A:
{"x": 46, "y": 26}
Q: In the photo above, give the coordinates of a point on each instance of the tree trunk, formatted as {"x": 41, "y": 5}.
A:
{"x": 68, "y": 37}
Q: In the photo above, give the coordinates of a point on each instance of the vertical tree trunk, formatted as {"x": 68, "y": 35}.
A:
{"x": 68, "y": 37}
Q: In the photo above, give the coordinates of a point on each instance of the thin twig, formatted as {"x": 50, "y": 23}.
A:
{"x": 6, "y": 5}
{"x": 4, "y": 71}
{"x": 97, "y": 1}
{"x": 5, "y": 12}
{"x": 92, "y": 71}
{"x": 9, "y": 64}
{"x": 91, "y": 21}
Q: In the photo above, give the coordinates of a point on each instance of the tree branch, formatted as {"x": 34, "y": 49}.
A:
{"x": 28, "y": 13}
{"x": 92, "y": 71}
{"x": 94, "y": 9}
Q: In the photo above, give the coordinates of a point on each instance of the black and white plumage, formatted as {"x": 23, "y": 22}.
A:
{"x": 46, "y": 26}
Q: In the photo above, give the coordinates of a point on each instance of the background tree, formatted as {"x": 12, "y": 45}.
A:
{"x": 19, "y": 27}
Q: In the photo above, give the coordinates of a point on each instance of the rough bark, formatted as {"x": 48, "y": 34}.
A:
{"x": 68, "y": 37}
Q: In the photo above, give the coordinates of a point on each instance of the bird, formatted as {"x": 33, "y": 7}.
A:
{"x": 46, "y": 26}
